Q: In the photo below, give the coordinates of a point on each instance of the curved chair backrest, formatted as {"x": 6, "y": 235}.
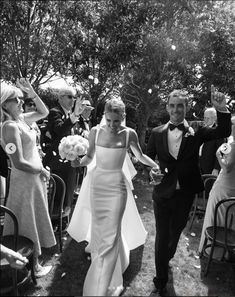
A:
{"x": 7, "y": 185}
{"x": 5, "y": 210}
{"x": 229, "y": 205}
{"x": 61, "y": 188}
{"x": 208, "y": 184}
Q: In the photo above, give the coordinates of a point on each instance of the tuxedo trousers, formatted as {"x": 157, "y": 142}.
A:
{"x": 171, "y": 217}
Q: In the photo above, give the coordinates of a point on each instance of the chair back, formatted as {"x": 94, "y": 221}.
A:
{"x": 59, "y": 192}
{"x": 3, "y": 211}
{"x": 51, "y": 190}
{"x": 208, "y": 183}
{"x": 225, "y": 207}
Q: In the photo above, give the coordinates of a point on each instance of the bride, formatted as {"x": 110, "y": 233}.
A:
{"x": 105, "y": 214}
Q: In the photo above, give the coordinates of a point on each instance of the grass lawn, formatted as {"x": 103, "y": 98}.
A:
{"x": 70, "y": 267}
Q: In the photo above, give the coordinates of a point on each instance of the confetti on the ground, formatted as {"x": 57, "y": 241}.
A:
{"x": 193, "y": 234}
{"x": 63, "y": 274}
{"x": 197, "y": 266}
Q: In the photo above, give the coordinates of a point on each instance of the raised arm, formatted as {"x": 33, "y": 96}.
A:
{"x": 42, "y": 111}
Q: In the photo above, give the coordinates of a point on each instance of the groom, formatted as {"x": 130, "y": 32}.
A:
{"x": 176, "y": 146}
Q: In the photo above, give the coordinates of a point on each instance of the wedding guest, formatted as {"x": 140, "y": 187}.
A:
{"x": 223, "y": 188}
{"x": 15, "y": 259}
{"x": 106, "y": 191}
{"x": 176, "y": 145}
{"x": 61, "y": 122}
{"x": 27, "y": 193}
{"x": 207, "y": 153}
{"x": 82, "y": 127}
{"x": 30, "y": 106}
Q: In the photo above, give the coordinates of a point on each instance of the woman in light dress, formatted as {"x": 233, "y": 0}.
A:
{"x": 27, "y": 196}
{"x": 108, "y": 209}
{"x": 224, "y": 187}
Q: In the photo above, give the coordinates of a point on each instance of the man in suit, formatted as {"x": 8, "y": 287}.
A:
{"x": 207, "y": 153}
{"x": 61, "y": 122}
{"x": 176, "y": 145}
{"x": 82, "y": 127}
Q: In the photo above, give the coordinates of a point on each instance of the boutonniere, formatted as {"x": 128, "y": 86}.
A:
{"x": 190, "y": 132}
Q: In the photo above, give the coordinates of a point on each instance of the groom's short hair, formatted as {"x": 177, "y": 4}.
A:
{"x": 179, "y": 93}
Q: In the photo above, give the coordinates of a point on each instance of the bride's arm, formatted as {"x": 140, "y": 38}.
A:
{"x": 136, "y": 149}
{"x": 91, "y": 150}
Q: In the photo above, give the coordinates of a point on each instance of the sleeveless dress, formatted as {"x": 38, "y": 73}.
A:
{"x": 224, "y": 187}
{"x": 107, "y": 217}
{"x": 28, "y": 195}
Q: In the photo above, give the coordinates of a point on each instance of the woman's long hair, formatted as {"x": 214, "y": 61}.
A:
{"x": 7, "y": 92}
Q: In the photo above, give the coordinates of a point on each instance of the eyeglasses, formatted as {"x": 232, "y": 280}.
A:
{"x": 16, "y": 99}
{"x": 69, "y": 96}
{"x": 30, "y": 104}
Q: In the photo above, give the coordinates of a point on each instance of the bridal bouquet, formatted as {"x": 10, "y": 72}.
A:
{"x": 73, "y": 146}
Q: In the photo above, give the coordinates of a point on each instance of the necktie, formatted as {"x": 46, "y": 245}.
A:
{"x": 180, "y": 126}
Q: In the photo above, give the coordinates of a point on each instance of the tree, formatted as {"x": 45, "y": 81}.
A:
{"x": 29, "y": 34}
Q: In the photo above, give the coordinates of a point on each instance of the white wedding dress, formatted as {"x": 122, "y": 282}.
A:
{"x": 107, "y": 217}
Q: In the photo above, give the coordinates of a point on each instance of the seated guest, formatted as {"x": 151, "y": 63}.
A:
{"x": 27, "y": 196}
{"x": 15, "y": 259}
{"x": 224, "y": 187}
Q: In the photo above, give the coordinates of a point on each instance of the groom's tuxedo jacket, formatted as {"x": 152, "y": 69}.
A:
{"x": 185, "y": 168}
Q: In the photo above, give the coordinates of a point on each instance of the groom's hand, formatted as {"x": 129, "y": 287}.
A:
{"x": 155, "y": 176}
{"x": 218, "y": 100}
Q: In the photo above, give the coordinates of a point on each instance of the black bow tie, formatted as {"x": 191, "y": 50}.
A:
{"x": 180, "y": 127}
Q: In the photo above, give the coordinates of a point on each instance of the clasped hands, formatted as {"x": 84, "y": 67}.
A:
{"x": 155, "y": 176}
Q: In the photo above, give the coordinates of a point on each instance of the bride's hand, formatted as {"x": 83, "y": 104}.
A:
{"x": 76, "y": 163}
{"x": 45, "y": 174}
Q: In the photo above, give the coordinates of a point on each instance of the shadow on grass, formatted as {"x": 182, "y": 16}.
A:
{"x": 71, "y": 270}
{"x": 220, "y": 278}
{"x": 134, "y": 267}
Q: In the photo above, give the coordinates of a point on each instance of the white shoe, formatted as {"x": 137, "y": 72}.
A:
{"x": 42, "y": 271}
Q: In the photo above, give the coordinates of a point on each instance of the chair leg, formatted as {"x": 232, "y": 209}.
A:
{"x": 14, "y": 280}
{"x": 193, "y": 215}
{"x": 60, "y": 236}
{"x": 31, "y": 267}
{"x": 209, "y": 260}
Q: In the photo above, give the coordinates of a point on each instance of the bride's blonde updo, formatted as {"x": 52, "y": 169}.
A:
{"x": 115, "y": 105}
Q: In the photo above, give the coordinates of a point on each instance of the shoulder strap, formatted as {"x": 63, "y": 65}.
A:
{"x": 97, "y": 133}
{"x": 127, "y": 137}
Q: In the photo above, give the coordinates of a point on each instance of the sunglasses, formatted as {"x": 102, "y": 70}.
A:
{"x": 16, "y": 99}
{"x": 69, "y": 96}
{"x": 30, "y": 104}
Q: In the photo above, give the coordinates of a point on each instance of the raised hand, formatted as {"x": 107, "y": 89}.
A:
{"x": 218, "y": 99}
{"x": 156, "y": 176}
{"x": 25, "y": 85}
{"x": 79, "y": 107}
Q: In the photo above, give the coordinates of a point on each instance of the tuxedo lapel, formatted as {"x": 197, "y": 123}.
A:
{"x": 182, "y": 145}
{"x": 165, "y": 140}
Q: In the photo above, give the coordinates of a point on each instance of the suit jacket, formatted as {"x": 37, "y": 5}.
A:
{"x": 208, "y": 160}
{"x": 185, "y": 168}
{"x": 59, "y": 126}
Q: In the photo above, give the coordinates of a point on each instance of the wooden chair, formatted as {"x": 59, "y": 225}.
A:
{"x": 200, "y": 200}
{"x": 20, "y": 244}
{"x": 56, "y": 210}
{"x": 221, "y": 235}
